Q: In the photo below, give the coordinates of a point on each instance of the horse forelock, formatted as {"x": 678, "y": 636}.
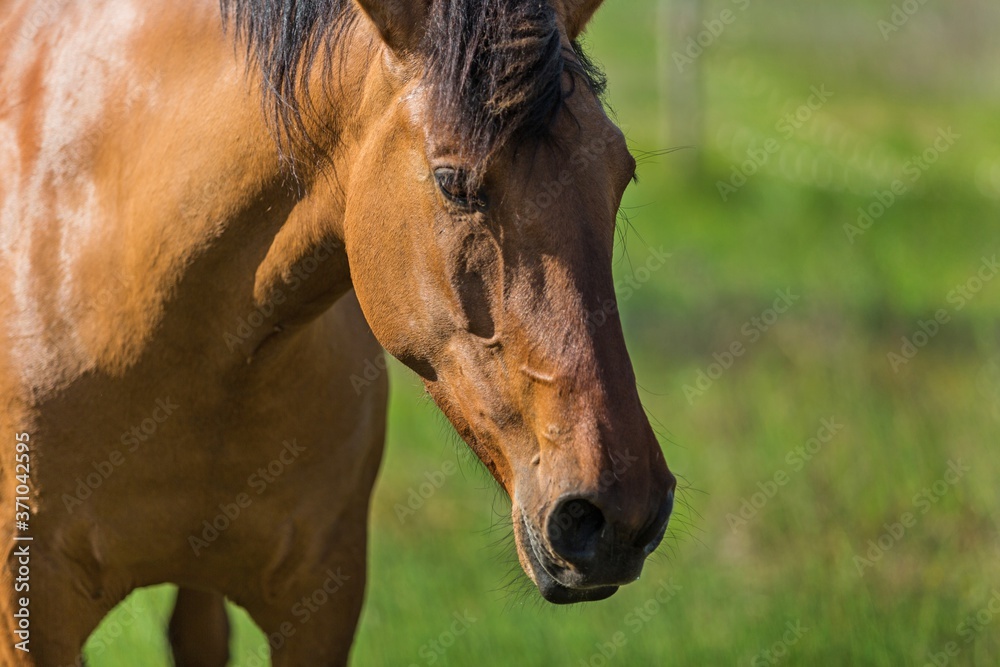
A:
{"x": 493, "y": 69}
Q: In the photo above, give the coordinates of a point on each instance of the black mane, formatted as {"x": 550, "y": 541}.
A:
{"x": 493, "y": 68}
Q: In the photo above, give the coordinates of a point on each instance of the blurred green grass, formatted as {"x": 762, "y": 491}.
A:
{"x": 793, "y": 561}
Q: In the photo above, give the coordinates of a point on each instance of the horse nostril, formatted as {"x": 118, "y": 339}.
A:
{"x": 651, "y": 537}
{"x": 574, "y": 528}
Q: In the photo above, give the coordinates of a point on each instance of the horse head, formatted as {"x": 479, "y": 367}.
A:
{"x": 480, "y": 224}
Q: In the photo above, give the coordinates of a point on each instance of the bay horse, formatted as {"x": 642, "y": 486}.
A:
{"x": 213, "y": 218}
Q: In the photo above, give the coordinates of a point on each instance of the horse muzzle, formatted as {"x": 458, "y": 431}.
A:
{"x": 581, "y": 556}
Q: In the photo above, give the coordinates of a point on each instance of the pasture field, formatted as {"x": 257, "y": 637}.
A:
{"x": 816, "y": 340}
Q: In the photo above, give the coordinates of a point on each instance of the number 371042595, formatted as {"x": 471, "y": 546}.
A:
{"x": 22, "y": 474}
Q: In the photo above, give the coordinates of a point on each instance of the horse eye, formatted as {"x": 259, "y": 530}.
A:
{"x": 454, "y": 185}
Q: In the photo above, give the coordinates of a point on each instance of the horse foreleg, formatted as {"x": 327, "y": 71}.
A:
{"x": 199, "y": 629}
{"x": 47, "y": 611}
{"x": 311, "y": 622}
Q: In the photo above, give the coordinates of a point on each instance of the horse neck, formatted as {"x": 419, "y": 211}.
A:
{"x": 176, "y": 216}
{"x": 283, "y": 244}
{"x": 345, "y": 98}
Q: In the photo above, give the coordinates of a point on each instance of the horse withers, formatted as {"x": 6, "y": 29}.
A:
{"x": 203, "y": 243}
